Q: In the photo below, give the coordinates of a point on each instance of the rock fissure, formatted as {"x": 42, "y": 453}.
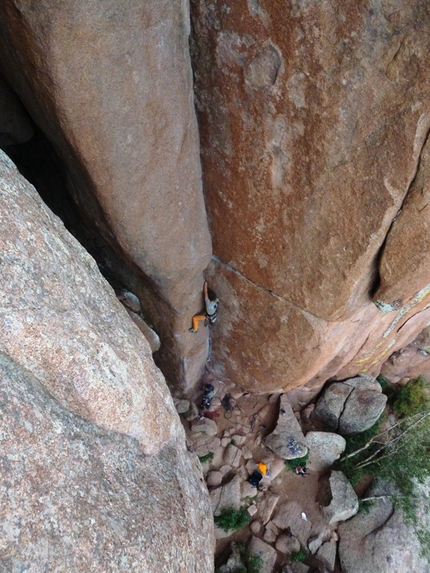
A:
{"x": 241, "y": 275}
{"x": 383, "y": 524}
{"x": 377, "y": 280}
{"x": 343, "y": 409}
{"x": 233, "y": 269}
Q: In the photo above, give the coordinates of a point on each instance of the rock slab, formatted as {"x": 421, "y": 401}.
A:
{"x": 77, "y": 494}
{"x": 61, "y": 320}
{"x": 343, "y": 503}
{"x": 287, "y": 439}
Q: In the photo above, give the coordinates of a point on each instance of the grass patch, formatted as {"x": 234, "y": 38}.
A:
{"x": 298, "y": 556}
{"x": 206, "y": 458}
{"x": 413, "y": 398}
{"x": 232, "y": 519}
{"x": 292, "y": 464}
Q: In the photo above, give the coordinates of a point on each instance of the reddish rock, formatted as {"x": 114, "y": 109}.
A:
{"x": 111, "y": 86}
{"x": 407, "y": 363}
{"x": 405, "y": 262}
{"x": 313, "y": 119}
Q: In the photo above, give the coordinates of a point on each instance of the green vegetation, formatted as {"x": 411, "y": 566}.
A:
{"x": 251, "y": 563}
{"x": 414, "y": 398}
{"x": 397, "y": 453}
{"x": 357, "y": 443}
{"x": 232, "y": 519}
{"x": 292, "y": 464}
{"x": 298, "y": 556}
{"x": 206, "y": 458}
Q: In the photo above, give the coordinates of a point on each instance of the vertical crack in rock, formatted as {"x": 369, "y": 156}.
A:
{"x": 381, "y": 306}
{"x": 343, "y": 409}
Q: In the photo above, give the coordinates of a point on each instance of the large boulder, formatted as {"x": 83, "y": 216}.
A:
{"x": 287, "y": 439}
{"x": 94, "y": 452}
{"x": 313, "y": 124}
{"x": 111, "y": 87}
{"x": 265, "y": 552}
{"x": 337, "y": 497}
{"x": 62, "y": 321}
{"x": 324, "y": 449}
{"x": 380, "y": 540}
{"x": 76, "y": 497}
{"x": 351, "y": 406}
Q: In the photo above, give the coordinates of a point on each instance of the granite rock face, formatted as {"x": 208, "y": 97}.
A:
{"x": 111, "y": 87}
{"x": 313, "y": 120}
{"x": 343, "y": 501}
{"x": 92, "y": 447}
{"x": 287, "y": 439}
{"x": 61, "y": 320}
{"x": 351, "y": 406}
{"x": 379, "y": 541}
{"x": 79, "y": 498}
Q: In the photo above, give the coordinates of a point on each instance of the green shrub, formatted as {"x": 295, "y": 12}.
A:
{"x": 292, "y": 464}
{"x": 206, "y": 458}
{"x": 399, "y": 454}
{"x": 252, "y": 562}
{"x": 232, "y": 519}
{"x": 413, "y": 398}
{"x": 298, "y": 556}
{"x": 388, "y": 389}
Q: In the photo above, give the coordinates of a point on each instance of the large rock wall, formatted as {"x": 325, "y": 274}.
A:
{"x": 111, "y": 86}
{"x": 93, "y": 457}
{"x": 314, "y": 120}
{"x": 61, "y": 320}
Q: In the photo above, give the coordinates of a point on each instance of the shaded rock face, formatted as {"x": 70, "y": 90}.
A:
{"x": 313, "y": 120}
{"x": 15, "y": 124}
{"x": 78, "y": 497}
{"x": 111, "y": 87}
{"x": 62, "y": 321}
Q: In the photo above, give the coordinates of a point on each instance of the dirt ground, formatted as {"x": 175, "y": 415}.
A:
{"x": 255, "y": 417}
